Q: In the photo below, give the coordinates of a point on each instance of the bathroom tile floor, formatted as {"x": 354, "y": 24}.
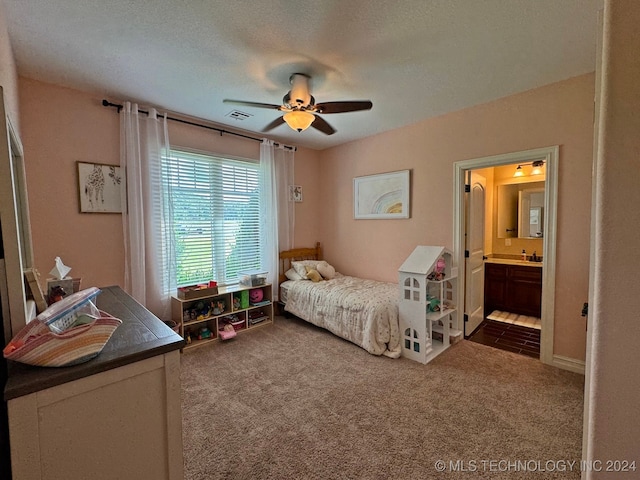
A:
{"x": 514, "y": 338}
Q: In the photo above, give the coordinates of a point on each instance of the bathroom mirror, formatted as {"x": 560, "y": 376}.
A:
{"x": 531, "y": 213}
{"x": 513, "y": 216}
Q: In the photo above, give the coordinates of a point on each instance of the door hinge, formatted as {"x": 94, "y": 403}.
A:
{"x": 466, "y": 254}
{"x": 466, "y": 318}
{"x": 585, "y": 309}
{"x": 467, "y": 188}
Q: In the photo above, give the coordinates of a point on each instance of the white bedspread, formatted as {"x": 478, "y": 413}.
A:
{"x": 364, "y": 312}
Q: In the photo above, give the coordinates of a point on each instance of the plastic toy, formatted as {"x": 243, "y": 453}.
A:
{"x": 256, "y": 295}
{"x": 218, "y": 307}
{"x": 438, "y": 271}
{"x": 204, "y": 333}
{"x": 433, "y": 305}
{"x": 227, "y": 332}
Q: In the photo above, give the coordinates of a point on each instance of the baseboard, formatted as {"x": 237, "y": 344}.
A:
{"x": 571, "y": 364}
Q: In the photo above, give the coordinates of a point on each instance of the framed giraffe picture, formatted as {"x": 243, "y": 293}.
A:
{"x": 99, "y": 188}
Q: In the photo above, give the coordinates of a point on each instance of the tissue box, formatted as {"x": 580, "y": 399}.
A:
{"x": 253, "y": 278}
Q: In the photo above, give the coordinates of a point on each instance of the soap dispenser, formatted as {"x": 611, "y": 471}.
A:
{"x": 524, "y": 255}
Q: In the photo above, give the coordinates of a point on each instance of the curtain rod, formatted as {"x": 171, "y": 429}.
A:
{"x": 107, "y": 103}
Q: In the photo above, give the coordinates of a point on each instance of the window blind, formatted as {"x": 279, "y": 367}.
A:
{"x": 215, "y": 204}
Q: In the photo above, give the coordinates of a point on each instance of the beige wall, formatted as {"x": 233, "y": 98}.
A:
{"x": 63, "y": 126}
{"x": 613, "y": 428}
{"x": 8, "y": 73}
{"x": 558, "y": 114}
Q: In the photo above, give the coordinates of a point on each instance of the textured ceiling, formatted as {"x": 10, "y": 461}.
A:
{"x": 414, "y": 59}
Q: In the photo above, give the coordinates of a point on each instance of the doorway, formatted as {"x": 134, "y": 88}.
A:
{"x": 461, "y": 172}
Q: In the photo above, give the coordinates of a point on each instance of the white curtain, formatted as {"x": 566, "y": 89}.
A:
{"x": 146, "y": 220}
{"x": 277, "y": 216}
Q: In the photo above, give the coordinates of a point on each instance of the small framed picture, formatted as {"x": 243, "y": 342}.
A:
{"x": 99, "y": 188}
{"x": 36, "y": 291}
{"x": 295, "y": 193}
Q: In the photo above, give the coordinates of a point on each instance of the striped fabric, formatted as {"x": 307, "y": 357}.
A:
{"x": 515, "y": 319}
{"x": 36, "y": 345}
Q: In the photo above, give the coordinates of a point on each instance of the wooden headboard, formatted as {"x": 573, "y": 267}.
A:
{"x": 296, "y": 254}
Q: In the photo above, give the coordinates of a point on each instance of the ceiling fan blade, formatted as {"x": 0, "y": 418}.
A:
{"x": 277, "y": 122}
{"x": 253, "y": 104}
{"x": 342, "y": 107}
{"x": 321, "y": 124}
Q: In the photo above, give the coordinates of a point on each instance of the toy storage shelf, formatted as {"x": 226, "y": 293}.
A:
{"x": 212, "y": 312}
{"x": 428, "y": 297}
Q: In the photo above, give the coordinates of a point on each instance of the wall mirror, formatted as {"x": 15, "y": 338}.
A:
{"x": 531, "y": 213}
{"x": 16, "y": 253}
{"x": 520, "y": 209}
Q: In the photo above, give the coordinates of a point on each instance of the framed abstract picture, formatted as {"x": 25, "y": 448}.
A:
{"x": 99, "y": 188}
{"x": 385, "y": 195}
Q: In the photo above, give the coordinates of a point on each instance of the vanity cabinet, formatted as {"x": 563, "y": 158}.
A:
{"x": 513, "y": 288}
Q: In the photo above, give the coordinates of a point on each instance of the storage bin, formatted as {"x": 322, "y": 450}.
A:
{"x": 253, "y": 278}
{"x": 197, "y": 291}
{"x": 69, "y": 332}
{"x": 63, "y": 314}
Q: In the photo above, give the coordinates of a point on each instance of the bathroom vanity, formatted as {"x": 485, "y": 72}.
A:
{"x": 513, "y": 286}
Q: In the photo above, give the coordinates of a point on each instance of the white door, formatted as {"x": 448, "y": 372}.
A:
{"x": 474, "y": 264}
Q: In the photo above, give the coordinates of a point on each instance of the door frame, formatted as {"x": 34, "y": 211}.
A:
{"x": 550, "y": 156}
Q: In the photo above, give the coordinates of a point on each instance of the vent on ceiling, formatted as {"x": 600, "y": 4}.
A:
{"x": 238, "y": 115}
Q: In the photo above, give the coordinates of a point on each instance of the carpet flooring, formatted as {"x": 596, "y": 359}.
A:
{"x": 292, "y": 401}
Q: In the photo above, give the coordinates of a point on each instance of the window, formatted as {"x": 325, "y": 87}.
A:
{"x": 215, "y": 207}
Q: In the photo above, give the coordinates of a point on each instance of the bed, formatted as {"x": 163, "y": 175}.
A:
{"x": 364, "y": 312}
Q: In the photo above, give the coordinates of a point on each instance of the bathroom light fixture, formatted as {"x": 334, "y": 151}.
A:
{"x": 537, "y": 168}
{"x": 299, "y": 120}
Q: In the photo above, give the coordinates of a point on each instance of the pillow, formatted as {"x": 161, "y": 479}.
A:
{"x": 313, "y": 275}
{"x": 291, "y": 274}
{"x": 300, "y": 266}
{"x": 327, "y": 271}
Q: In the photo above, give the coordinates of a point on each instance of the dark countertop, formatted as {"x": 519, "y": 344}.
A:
{"x": 140, "y": 336}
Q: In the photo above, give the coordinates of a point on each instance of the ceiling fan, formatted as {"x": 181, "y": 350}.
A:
{"x": 301, "y": 109}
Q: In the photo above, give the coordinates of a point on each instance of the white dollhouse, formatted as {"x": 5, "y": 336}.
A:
{"x": 427, "y": 307}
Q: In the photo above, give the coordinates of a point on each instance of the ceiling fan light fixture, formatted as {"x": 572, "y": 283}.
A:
{"x": 299, "y": 108}
{"x": 299, "y": 120}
